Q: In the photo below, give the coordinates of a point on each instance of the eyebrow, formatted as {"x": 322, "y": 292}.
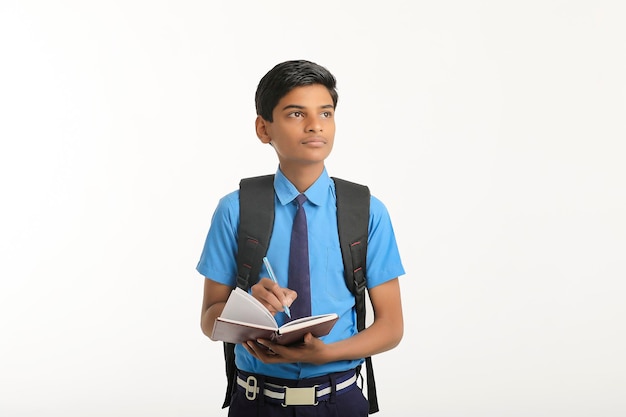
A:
{"x": 298, "y": 107}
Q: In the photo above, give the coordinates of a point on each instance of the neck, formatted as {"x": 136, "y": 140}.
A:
{"x": 302, "y": 177}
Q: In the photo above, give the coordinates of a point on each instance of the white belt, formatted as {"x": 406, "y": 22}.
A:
{"x": 291, "y": 395}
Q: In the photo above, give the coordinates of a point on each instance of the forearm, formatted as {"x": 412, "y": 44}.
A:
{"x": 213, "y": 302}
{"x": 384, "y": 334}
{"x": 209, "y": 316}
{"x": 381, "y": 336}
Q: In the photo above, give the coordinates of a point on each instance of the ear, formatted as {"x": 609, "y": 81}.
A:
{"x": 261, "y": 126}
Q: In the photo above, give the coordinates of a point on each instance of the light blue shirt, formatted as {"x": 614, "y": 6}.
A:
{"x": 329, "y": 292}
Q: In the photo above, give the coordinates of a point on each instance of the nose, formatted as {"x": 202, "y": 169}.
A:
{"x": 313, "y": 125}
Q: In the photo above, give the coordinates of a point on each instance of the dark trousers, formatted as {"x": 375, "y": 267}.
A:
{"x": 348, "y": 402}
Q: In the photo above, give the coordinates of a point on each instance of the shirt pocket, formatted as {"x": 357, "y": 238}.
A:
{"x": 335, "y": 282}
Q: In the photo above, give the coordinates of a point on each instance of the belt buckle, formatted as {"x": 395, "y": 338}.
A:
{"x": 300, "y": 396}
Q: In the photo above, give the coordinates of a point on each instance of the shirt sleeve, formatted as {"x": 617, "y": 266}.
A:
{"x": 218, "y": 260}
{"x": 383, "y": 256}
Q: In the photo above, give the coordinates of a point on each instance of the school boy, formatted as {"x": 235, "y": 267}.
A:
{"x": 295, "y": 104}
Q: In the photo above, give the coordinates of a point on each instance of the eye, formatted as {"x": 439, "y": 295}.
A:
{"x": 327, "y": 114}
{"x": 296, "y": 114}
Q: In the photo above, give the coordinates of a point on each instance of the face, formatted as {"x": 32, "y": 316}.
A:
{"x": 303, "y": 130}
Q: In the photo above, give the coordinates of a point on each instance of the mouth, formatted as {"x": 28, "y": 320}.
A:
{"x": 316, "y": 140}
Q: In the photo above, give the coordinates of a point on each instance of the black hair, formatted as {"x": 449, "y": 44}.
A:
{"x": 286, "y": 76}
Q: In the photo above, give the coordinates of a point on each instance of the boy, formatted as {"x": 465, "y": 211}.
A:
{"x": 295, "y": 103}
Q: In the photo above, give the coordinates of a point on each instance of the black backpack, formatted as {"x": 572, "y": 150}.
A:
{"x": 256, "y": 210}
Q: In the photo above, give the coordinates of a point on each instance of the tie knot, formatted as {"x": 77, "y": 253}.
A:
{"x": 301, "y": 199}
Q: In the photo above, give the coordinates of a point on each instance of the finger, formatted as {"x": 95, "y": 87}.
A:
{"x": 289, "y": 296}
{"x": 284, "y": 296}
{"x": 247, "y": 346}
{"x": 271, "y": 287}
{"x": 270, "y": 294}
{"x": 269, "y": 348}
{"x": 261, "y": 352}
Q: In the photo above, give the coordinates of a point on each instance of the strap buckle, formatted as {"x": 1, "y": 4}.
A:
{"x": 251, "y": 388}
{"x": 300, "y": 396}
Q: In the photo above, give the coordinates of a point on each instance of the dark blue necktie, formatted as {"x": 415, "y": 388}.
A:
{"x": 299, "y": 275}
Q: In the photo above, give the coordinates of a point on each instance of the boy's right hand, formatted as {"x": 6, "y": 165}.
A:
{"x": 272, "y": 295}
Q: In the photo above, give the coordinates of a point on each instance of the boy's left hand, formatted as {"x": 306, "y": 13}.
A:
{"x": 310, "y": 351}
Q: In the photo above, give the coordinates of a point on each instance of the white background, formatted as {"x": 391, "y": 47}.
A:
{"x": 494, "y": 131}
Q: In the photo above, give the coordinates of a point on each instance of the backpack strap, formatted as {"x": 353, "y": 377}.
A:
{"x": 353, "y": 204}
{"x": 256, "y": 221}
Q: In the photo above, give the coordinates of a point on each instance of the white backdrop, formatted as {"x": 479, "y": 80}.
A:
{"x": 494, "y": 131}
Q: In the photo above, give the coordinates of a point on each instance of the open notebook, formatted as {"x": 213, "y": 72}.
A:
{"x": 245, "y": 318}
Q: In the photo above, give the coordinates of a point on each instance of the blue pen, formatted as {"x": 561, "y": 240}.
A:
{"x": 270, "y": 271}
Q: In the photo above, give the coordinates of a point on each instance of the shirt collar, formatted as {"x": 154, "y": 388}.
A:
{"x": 316, "y": 194}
